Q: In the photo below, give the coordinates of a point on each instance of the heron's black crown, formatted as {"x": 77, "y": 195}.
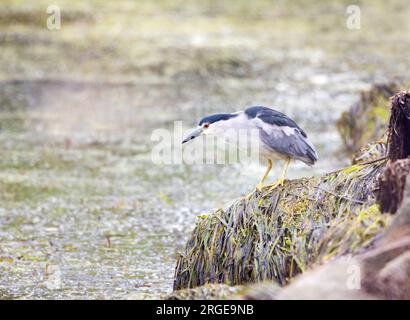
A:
{"x": 216, "y": 117}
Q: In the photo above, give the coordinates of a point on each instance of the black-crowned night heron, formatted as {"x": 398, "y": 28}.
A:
{"x": 279, "y": 136}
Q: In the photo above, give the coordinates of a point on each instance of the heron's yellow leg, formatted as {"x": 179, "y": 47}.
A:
{"x": 260, "y": 184}
{"x": 282, "y": 176}
{"x": 268, "y": 169}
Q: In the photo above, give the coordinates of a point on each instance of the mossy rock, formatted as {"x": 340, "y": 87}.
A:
{"x": 367, "y": 119}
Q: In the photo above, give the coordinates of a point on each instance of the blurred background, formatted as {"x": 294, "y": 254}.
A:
{"x": 84, "y": 213}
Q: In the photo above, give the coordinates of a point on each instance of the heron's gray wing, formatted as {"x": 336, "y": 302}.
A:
{"x": 273, "y": 117}
{"x": 288, "y": 141}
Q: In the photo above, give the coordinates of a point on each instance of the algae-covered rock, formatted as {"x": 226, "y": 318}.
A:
{"x": 391, "y": 185}
{"x": 279, "y": 234}
{"x": 380, "y": 273}
{"x": 393, "y": 179}
{"x": 367, "y": 119}
{"x": 387, "y": 267}
{"x": 399, "y": 127}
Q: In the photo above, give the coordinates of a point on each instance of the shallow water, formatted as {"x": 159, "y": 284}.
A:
{"x": 84, "y": 213}
{"x": 81, "y": 195}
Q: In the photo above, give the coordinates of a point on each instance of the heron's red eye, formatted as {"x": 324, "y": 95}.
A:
{"x": 206, "y": 125}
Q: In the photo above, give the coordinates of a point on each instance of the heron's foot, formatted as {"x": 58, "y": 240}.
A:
{"x": 248, "y": 196}
{"x": 252, "y": 194}
{"x": 259, "y": 187}
{"x": 278, "y": 183}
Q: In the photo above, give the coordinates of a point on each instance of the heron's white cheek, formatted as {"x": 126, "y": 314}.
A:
{"x": 215, "y": 130}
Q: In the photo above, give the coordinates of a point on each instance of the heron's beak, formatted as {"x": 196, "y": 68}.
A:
{"x": 193, "y": 134}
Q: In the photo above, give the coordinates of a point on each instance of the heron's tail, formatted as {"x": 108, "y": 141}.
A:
{"x": 310, "y": 156}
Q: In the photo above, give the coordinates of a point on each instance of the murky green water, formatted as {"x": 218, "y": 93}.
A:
{"x": 84, "y": 213}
